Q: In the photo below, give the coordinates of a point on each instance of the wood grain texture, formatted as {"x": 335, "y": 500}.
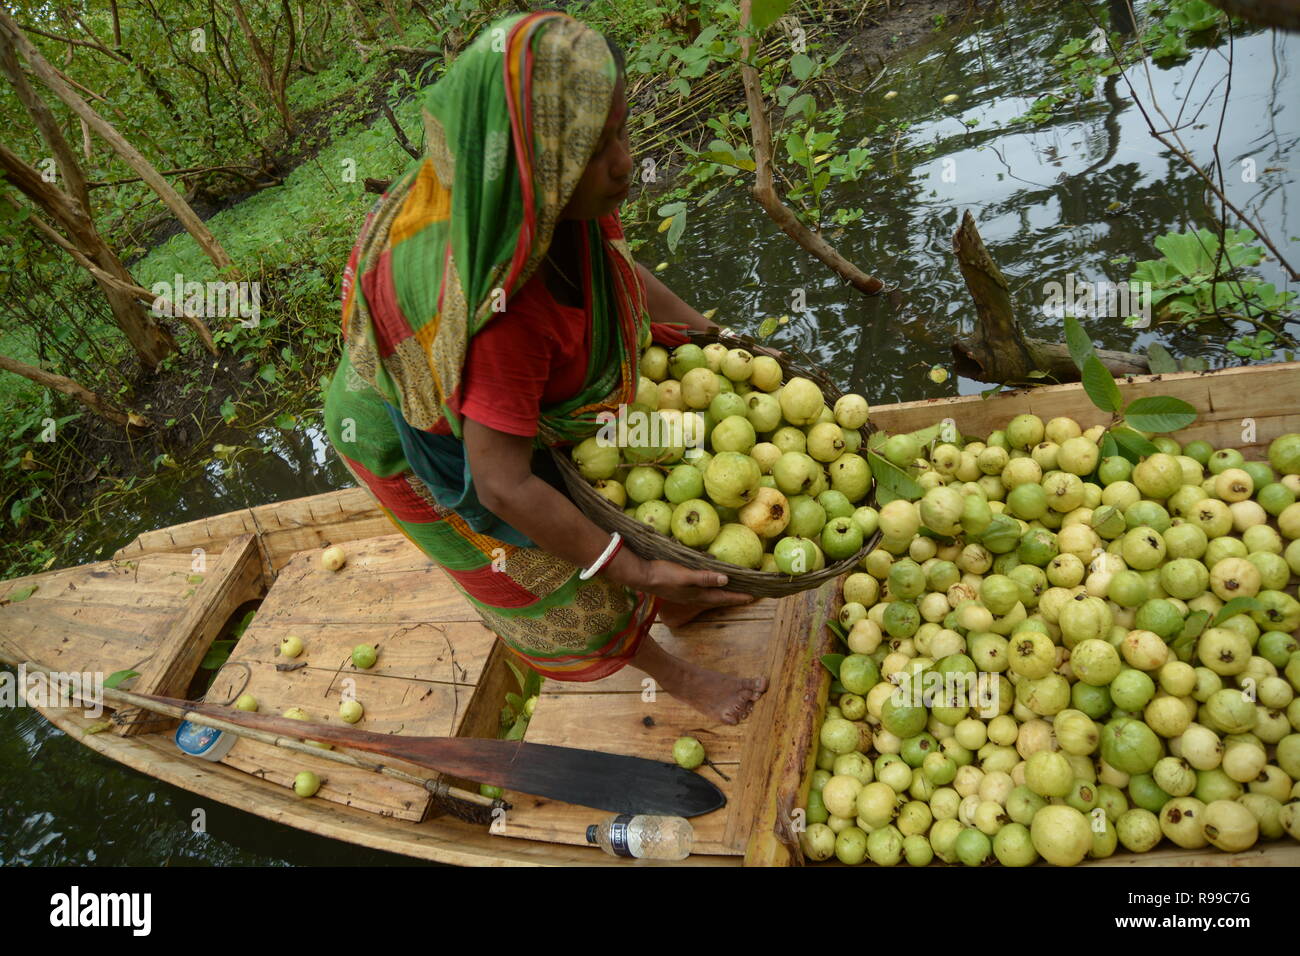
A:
{"x": 235, "y": 577}
{"x": 788, "y": 716}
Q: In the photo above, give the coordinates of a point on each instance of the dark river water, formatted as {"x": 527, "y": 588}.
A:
{"x": 1044, "y": 199}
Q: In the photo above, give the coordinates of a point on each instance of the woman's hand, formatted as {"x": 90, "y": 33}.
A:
{"x": 673, "y": 582}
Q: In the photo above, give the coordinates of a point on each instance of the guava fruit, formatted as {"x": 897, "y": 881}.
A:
{"x": 683, "y": 482}
{"x": 699, "y": 388}
{"x": 850, "y": 476}
{"x": 737, "y": 365}
{"x": 246, "y": 702}
{"x": 1184, "y": 578}
{"x": 1142, "y": 548}
{"x": 732, "y": 479}
{"x": 351, "y": 711}
{"x": 1078, "y": 456}
{"x": 685, "y": 358}
{"x": 1130, "y": 746}
{"x": 763, "y": 412}
{"x": 1158, "y": 476}
{"x": 825, "y": 441}
{"x": 644, "y": 483}
{"x": 801, "y": 401}
{"x": 1284, "y": 453}
{"x": 768, "y": 514}
{"x": 1180, "y": 821}
{"x": 734, "y": 434}
{"x": 306, "y": 784}
{"x": 655, "y": 513}
{"x": 738, "y": 545}
{"x": 901, "y": 450}
{"x": 1280, "y": 611}
{"x": 795, "y": 473}
{"x": 1064, "y": 491}
{"x": 851, "y": 411}
{"x": 695, "y": 523}
{"x": 688, "y": 752}
{"x": 726, "y": 404}
{"x": 841, "y": 538}
{"x": 1061, "y": 835}
{"x": 941, "y": 510}
{"x": 595, "y": 460}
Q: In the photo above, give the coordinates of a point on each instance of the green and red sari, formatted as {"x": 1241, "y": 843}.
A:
{"x": 509, "y": 131}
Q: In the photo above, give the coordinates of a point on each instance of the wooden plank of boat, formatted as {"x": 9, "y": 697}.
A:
{"x": 441, "y": 840}
{"x": 386, "y": 589}
{"x": 234, "y": 578}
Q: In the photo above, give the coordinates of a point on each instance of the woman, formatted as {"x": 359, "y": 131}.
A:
{"x": 491, "y": 309}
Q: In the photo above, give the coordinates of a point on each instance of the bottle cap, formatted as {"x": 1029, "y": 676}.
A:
{"x": 591, "y": 834}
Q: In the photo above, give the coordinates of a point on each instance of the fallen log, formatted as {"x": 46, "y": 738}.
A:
{"x": 998, "y": 350}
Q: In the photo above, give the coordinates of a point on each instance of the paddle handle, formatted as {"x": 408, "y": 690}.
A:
{"x": 122, "y": 698}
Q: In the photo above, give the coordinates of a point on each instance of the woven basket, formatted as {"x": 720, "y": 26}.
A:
{"x": 651, "y": 545}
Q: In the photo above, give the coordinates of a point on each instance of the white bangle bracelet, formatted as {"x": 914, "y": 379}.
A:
{"x": 600, "y": 562}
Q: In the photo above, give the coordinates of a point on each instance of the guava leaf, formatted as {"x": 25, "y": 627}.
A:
{"x": 99, "y": 727}
{"x": 518, "y": 729}
{"x": 1185, "y": 643}
{"x": 1159, "y": 413}
{"x": 1100, "y": 385}
{"x": 22, "y": 594}
{"x": 1109, "y": 447}
{"x": 516, "y": 702}
{"x": 891, "y": 481}
{"x": 1077, "y": 341}
{"x": 532, "y": 684}
{"x": 926, "y": 435}
{"x": 1237, "y": 605}
{"x": 764, "y": 13}
{"x": 832, "y": 663}
{"x": 836, "y": 629}
{"x": 519, "y": 675}
{"x": 118, "y": 677}
{"x": 1132, "y": 445}
{"x": 801, "y": 65}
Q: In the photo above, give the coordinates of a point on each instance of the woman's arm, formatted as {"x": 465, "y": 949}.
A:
{"x": 665, "y": 306}
{"x": 502, "y": 468}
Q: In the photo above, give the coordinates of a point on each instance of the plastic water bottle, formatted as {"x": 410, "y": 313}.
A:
{"x": 644, "y": 836}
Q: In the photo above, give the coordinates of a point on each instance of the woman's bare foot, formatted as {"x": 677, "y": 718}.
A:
{"x": 674, "y": 615}
{"x": 721, "y": 696}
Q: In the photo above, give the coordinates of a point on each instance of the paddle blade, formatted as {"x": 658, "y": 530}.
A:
{"x": 589, "y": 778}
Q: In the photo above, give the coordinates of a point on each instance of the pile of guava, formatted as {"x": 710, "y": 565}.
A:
{"x": 723, "y": 454}
{"x": 1054, "y": 655}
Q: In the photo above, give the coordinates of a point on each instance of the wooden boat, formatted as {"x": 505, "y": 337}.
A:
{"x": 162, "y": 599}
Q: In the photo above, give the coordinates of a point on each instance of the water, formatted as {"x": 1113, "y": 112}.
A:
{"x": 1040, "y": 196}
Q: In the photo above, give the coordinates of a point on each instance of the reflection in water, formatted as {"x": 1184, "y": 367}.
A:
{"x": 1040, "y": 196}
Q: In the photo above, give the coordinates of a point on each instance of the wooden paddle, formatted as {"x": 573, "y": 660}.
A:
{"x": 590, "y": 778}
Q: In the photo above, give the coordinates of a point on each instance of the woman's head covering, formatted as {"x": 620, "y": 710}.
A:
{"x": 509, "y": 130}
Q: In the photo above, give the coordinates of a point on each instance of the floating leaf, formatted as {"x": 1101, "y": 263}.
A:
{"x": 1159, "y": 413}
{"x": 767, "y": 327}
{"x": 116, "y": 679}
{"x": 286, "y": 420}
{"x": 1159, "y": 359}
{"x": 1237, "y": 605}
{"x": 710, "y": 313}
{"x": 1100, "y": 385}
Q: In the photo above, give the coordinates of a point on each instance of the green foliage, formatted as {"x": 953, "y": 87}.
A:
{"x": 1198, "y": 278}
{"x": 1154, "y": 413}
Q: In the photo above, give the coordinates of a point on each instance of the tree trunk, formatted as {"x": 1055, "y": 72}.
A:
{"x": 12, "y": 35}
{"x": 998, "y": 351}
{"x": 763, "y": 190}
{"x": 65, "y": 385}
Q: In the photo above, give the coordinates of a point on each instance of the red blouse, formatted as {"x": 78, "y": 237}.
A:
{"x": 533, "y": 354}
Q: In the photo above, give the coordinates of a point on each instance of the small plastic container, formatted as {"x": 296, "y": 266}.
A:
{"x": 206, "y": 743}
